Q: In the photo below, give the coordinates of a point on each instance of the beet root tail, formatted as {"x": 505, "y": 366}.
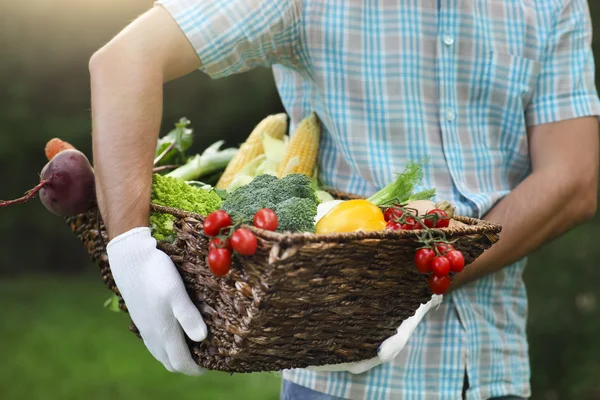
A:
{"x": 28, "y": 196}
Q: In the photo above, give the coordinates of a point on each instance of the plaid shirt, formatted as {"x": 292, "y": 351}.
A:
{"x": 457, "y": 82}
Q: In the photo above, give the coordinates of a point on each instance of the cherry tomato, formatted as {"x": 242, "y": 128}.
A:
{"x": 443, "y": 248}
{"x": 442, "y": 222}
{"x": 215, "y": 221}
{"x": 393, "y": 226}
{"x": 219, "y": 261}
{"x": 440, "y": 266}
{"x": 218, "y": 243}
{"x": 410, "y": 224}
{"x": 244, "y": 242}
{"x": 266, "y": 219}
{"x": 439, "y": 284}
{"x": 392, "y": 214}
{"x": 457, "y": 260}
{"x": 423, "y": 258}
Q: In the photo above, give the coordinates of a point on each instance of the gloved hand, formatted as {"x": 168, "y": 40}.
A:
{"x": 390, "y": 348}
{"x": 156, "y": 299}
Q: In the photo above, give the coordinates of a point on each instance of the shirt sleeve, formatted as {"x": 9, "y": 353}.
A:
{"x": 565, "y": 88}
{"x": 233, "y": 36}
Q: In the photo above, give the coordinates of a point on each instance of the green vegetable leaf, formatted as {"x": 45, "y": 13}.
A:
{"x": 181, "y": 138}
{"x": 112, "y": 303}
{"x": 402, "y": 188}
{"x": 222, "y": 193}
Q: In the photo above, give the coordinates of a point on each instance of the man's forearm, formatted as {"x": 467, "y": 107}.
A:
{"x": 538, "y": 210}
{"x": 127, "y": 109}
{"x": 127, "y": 78}
{"x": 559, "y": 194}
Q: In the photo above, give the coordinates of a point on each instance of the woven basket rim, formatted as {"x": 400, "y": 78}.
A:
{"x": 473, "y": 226}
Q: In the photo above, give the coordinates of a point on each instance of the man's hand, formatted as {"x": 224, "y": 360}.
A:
{"x": 559, "y": 194}
{"x": 127, "y": 76}
{"x": 156, "y": 299}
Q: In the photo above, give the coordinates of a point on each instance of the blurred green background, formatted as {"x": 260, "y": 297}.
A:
{"x": 56, "y": 339}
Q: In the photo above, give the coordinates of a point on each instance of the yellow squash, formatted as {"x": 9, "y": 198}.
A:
{"x": 352, "y": 216}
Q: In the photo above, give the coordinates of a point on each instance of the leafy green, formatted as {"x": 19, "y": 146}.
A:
{"x": 181, "y": 138}
{"x": 212, "y": 160}
{"x": 112, "y": 303}
{"x": 401, "y": 190}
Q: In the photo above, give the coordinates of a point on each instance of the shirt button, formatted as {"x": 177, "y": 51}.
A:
{"x": 448, "y": 40}
{"x": 450, "y": 114}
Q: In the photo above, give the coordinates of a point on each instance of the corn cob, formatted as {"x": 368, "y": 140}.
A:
{"x": 274, "y": 125}
{"x": 303, "y": 148}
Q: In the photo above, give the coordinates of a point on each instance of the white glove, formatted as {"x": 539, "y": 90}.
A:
{"x": 390, "y": 348}
{"x": 156, "y": 299}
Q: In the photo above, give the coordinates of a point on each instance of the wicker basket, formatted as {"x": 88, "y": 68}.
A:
{"x": 303, "y": 299}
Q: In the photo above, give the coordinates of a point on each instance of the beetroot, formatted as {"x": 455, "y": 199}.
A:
{"x": 66, "y": 185}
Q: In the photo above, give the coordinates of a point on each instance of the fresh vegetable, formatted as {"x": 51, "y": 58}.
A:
{"x": 266, "y": 219}
{"x": 392, "y": 214}
{"x": 55, "y": 146}
{"x": 446, "y": 207}
{"x": 401, "y": 191}
{"x": 172, "y": 192}
{"x": 457, "y": 260}
{"x": 292, "y": 198}
{"x": 439, "y": 284}
{"x": 423, "y": 259}
{"x": 410, "y": 224}
{"x": 393, "y": 226}
{"x": 267, "y": 163}
{"x": 244, "y": 242}
{"x": 66, "y": 185}
{"x": 219, "y": 261}
{"x": 173, "y": 146}
{"x": 322, "y": 194}
{"x": 303, "y": 148}
{"x": 275, "y": 126}
{"x": 352, "y": 216}
{"x": 219, "y": 243}
{"x": 211, "y": 160}
{"x": 442, "y": 221}
{"x": 443, "y": 248}
{"x": 215, "y": 222}
{"x": 440, "y": 266}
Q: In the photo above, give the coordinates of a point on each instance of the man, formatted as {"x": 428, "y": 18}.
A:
{"x": 499, "y": 94}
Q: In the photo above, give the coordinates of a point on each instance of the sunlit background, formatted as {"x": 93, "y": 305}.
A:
{"x": 56, "y": 339}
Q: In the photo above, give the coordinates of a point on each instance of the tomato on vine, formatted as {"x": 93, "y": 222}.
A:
{"x": 266, "y": 219}
{"x": 244, "y": 242}
{"x": 215, "y": 221}
{"x": 392, "y": 214}
{"x": 442, "y": 221}
{"x": 410, "y": 224}
{"x": 219, "y": 261}
{"x": 393, "y": 226}
{"x": 219, "y": 243}
{"x": 439, "y": 284}
{"x": 440, "y": 266}
{"x": 457, "y": 260}
{"x": 443, "y": 248}
{"x": 423, "y": 259}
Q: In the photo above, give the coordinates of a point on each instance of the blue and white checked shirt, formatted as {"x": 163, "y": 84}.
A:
{"x": 398, "y": 80}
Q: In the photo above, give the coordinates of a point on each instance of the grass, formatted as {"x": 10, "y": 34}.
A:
{"x": 58, "y": 342}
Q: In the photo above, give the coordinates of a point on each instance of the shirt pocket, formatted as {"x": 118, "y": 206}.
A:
{"x": 508, "y": 85}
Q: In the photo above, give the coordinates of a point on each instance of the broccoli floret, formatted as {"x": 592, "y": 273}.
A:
{"x": 292, "y": 214}
{"x": 173, "y": 192}
{"x": 267, "y": 191}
